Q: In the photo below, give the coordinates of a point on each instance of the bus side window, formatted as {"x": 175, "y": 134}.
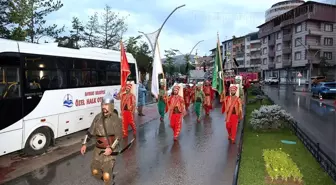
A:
{"x": 44, "y": 72}
{"x": 113, "y": 73}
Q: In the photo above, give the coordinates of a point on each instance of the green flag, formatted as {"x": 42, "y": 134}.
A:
{"x": 217, "y": 81}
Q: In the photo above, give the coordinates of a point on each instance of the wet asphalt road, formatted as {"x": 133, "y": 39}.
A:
{"x": 315, "y": 118}
{"x": 201, "y": 156}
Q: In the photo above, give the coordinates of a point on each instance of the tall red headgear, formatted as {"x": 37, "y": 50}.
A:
{"x": 176, "y": 88}
{"x": 233, "y": 88}
{"x": 128, "y": 86}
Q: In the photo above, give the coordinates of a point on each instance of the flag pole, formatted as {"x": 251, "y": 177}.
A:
{"x": 221, "y": 64}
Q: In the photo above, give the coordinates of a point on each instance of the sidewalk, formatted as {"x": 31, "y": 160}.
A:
{"x": 14, "y": 165}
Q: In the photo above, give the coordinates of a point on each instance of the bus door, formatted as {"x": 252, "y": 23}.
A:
{"x": 33, "y": 89}
{"x": 11, "y": 107}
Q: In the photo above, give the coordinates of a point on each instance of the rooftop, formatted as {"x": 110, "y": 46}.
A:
{"x": 285, "y": 2}
{"x": 304, "y": 4}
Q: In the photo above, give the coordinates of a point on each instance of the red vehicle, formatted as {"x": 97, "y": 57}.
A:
{"x": 252, "y": 77}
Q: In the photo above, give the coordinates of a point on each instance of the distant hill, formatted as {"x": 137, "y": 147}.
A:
{"x": 179, "y": 59}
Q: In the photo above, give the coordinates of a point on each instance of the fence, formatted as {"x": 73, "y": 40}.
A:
{"x": 314, "y": 148}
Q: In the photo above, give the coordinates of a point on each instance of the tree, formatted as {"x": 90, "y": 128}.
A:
{"x": 76, "y": 34}
{"x": 29, "y": 17}
{"x": 4, "y": 19}
{"x": 141, "y": 53}
{"x": 170, "y": 60}
{"x": 77, "y": 31}
{"x": 91, "y": 31}
{"x": 111, "y": 29}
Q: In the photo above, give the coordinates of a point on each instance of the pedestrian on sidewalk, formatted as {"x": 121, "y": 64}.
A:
{"x": 142, "y": 92}
{"x": 127, "y": 99}
{"x": 199, "y": 98}
{"x": 162, "y": 99}
{"x": 233, "y": 113}
{"x": 106, "y": 128}
{"x": 176, "y": 110}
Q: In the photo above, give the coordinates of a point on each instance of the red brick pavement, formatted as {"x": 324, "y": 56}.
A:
{"x": 151, "y": 113}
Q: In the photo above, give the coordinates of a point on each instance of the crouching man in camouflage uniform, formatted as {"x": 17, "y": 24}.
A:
{"x": 107, "y": 129}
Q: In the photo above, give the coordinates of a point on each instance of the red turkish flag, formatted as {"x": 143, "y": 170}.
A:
{"x": 124, "y": 67}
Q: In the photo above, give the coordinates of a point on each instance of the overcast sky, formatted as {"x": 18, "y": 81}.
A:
{"x": 198, "y": 20}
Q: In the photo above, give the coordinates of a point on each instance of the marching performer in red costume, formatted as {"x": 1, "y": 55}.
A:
{"x": 186, "y": 96}
{"x": 127, "y": 109}
{"x": 209, "y": 95}
{"x": 192, "y": 92}
{"x": 176, "y": 111}
{"x": 233, "y": 113}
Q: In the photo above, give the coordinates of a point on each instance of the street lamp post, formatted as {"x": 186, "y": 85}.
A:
{"x": 310, "y": 64}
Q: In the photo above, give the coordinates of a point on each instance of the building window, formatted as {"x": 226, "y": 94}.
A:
{"x": 328, "y": 27}
{"x": 298, "y": 28}
{"x": 297, "y": 55}
{"x": 327, "y": 55}
{"x": 298, "y": 42}
{"x": 248, "y": 46}
{"x": 278, "y": 59}
{"x": 278, "y": 46}
{"x": 278, "y": 35}
{"x": 265, "y": 51}
{"x": 265, "y": 61}
{"x": 264, "y": 40}
{"x": 328, "y": 41}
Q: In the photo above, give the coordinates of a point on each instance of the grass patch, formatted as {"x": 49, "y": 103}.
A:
{"x": 252, "y": 166}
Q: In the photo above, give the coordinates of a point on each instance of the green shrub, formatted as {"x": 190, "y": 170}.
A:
{"x": 270, "y": 117}
{"x": 280, "y": 166}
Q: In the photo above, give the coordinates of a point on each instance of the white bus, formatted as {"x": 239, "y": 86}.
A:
{"x": 47, "y": 92}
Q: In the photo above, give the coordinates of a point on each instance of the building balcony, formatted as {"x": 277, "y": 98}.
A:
{"x": 271, "y": 65}
{"x": 316, "y": 46}
{"x": 315, "y": 32}
{"x": 286, "y": 50}
{"x": 286, "y": 62}
{"x": 254, "y": 57}
{"x": 271, "y": 53}
{"x": 287, "y": 37}
{"x": 271, "y": 42}
{"x": 255, "y": 41}
{"x": 255, "y": 49}
{"x": 286, "y": 23}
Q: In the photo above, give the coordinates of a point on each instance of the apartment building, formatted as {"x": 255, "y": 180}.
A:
{"x": 252, "y": 53}
{"x": 227, "y": 50}
{"x": 293, "y": 40}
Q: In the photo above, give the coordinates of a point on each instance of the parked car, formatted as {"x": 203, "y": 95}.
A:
{"x": 272, "y": 80}
{"x": 324, "y": 89}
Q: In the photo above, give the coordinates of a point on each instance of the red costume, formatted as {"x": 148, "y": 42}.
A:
{"x": 176, "y": 109}
{"x": 233, "y": 113}
{"x": 209, "y": 95}
{"x": 127, "y": 110}
{"x": 186, "y": 95}
{"x": 192, "y": 93}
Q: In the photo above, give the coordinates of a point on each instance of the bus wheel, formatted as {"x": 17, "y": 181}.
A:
{"x": 38, "y": 141}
